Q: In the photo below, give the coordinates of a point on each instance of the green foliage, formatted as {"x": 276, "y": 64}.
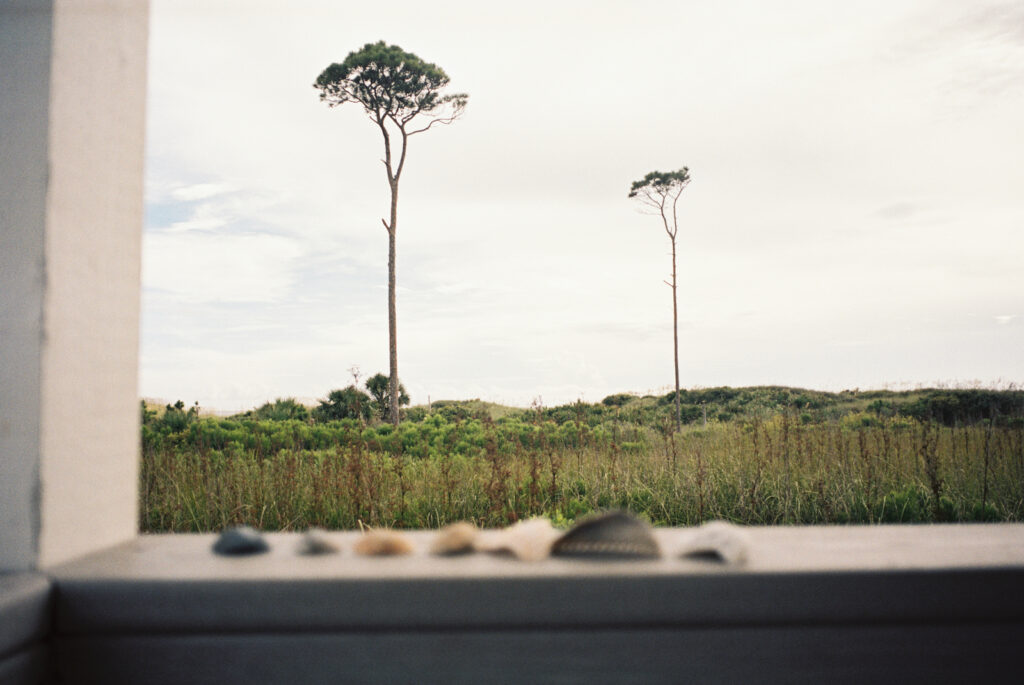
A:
{"x": 617, "y": 400}
{"x": 909, "y": 505}
{"x": 883, "y": 408}
{"x": 986, "y": 513}
{"x": 951, "y": 407}
{"x": 176, "y": 418}
{"x": 282, "y": 410}
{"x": 348, "y": 403}
{"x": 416, "y": 414}
{"x": 200, "y": 473}
{"x": 461, "y": 410}
{"x": 660, "y": 183}
{"x": 389, "y": 83}
{"x": 379, "y": 387}
{"x": 454, "y": 412}
{"x": 147, "y": 415}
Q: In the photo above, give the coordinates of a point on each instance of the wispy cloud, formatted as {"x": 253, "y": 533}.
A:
{"x": 196, "y": 266}
{"x": 898, "y": 211}
{"x": 197, "y": 224}
{"x": 977, "y": 48}
{"x": 201, "y": 191}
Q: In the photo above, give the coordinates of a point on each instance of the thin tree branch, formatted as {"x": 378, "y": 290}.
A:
{"x": 401, "y": 159}
{"x": 412, "y": 115}
{"x": 646, "y": 197}
{"x": 675, "y": 218}
{"x": 664, "y": 219}
{"x": 387, "y": 150}
{"x": 442, "y": 120}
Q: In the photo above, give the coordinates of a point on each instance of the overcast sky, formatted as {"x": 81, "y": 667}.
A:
{"x": 854, "y": 218}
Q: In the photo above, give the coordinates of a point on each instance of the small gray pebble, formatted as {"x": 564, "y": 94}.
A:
{"x": 240, "y": 540}
{"x": 316, "y": 542}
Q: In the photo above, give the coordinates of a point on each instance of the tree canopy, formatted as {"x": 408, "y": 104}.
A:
{"x": 390, "y": 84}
{"x": 658, "y": 187}
{"x": 379, "y": 386}
{"x": 282, "y": 410}
{"x": 349, "y": 403}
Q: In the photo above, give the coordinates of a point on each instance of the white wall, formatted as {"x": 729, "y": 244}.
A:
{"x": 72, "y": 129}
{"x": 25, "y": 29}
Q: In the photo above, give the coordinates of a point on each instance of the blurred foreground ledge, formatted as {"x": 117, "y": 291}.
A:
{"x": 940, "y": 603}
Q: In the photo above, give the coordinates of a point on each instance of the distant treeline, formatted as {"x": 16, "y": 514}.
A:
{"x": 947, "y": 406}
{"x": 629, "y": 421}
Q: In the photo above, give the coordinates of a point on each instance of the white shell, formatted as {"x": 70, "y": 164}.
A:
{"x": 529, "y": 540}
{"x": 726, "y": 541}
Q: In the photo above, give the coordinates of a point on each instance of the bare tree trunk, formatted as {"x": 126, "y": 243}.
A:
{"x": 392, "y": 312}
{"x": 675, "y": 335}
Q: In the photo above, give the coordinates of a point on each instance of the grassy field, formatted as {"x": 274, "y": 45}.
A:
{"x": 763, "y": 467}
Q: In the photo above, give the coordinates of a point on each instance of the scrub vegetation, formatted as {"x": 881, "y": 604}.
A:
{"x": 759, "y": 456}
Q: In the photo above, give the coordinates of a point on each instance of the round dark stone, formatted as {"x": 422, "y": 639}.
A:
{"x": 240, "y": 540}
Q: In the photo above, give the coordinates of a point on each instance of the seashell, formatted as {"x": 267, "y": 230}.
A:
{"x": 316, "y": 542}
{"x": 719, "y": 541}
{"x": 528, "y": 540}
{"x": 382, "y": 542}
{"x": 613, "y": 535}
{"x": 455, "y": 538}
{"x": 240, "y": 541}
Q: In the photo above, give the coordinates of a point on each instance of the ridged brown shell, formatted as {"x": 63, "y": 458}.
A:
{"x": 613, "y": 535}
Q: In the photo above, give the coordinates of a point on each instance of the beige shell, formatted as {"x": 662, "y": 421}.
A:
{"x": 455, "y": 538}
{"x": 382, "y": 542}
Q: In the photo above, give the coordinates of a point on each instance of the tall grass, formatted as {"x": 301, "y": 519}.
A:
{"x": 772, "y": 471}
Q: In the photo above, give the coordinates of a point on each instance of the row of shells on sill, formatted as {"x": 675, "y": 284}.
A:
{"x": 611, "y": 535}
